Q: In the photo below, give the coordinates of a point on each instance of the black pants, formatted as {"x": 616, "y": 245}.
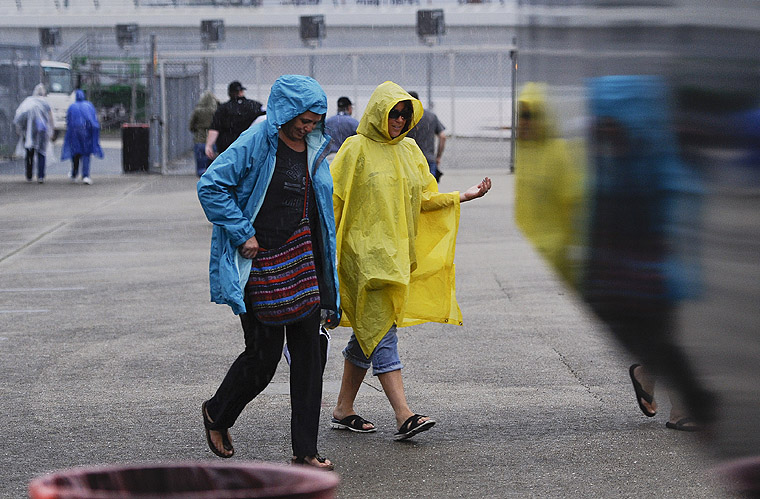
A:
{"x": 647, "y": 332}
{"x": 254, "y": 368}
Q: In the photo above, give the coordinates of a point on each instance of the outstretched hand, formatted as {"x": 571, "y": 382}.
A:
{"x": 476, "y": 191}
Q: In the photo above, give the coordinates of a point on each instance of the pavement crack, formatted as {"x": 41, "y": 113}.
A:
{"x": 33, "y": 241}
{"x": 572, "y": 371}
{"x": 503, "y": 287}
{"x": 65, "y": 222}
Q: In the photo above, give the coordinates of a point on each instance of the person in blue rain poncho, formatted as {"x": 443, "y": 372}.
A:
{"x": 82, "y": 137}
{"x": 254, "y": 194}
{"x": 643, "y": 199}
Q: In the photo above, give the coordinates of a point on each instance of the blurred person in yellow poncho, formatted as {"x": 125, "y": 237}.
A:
{"x": 548, "y": 187}
{"x": 396, "y": 236}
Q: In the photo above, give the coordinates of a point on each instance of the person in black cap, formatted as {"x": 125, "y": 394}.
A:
{"x": 341, "y": 126}
{"x": 231, "y": 119}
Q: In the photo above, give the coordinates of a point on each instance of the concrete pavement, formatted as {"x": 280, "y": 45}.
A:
{"x": 108, "y": 346}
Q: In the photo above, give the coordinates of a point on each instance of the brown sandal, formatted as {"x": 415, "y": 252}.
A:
{"x": 226, "y": 441}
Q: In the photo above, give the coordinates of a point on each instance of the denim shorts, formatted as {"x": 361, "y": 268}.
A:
{"x": 383, "y": 360}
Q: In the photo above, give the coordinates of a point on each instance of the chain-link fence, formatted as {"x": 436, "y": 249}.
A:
{"x": 19, "y": 73}
{"x": 470, "y": 88}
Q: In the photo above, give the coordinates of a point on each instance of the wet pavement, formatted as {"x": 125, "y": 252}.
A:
{"x": 108, "y": 346}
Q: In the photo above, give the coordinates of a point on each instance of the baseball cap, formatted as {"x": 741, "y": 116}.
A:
{"x": 344, "y": 102}
{"x": 235, "y": 86}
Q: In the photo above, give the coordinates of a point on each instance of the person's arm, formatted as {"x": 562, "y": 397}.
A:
{"x": 216, "y": 193}
{"x": 441, "y": 146}
{"x": 476, "y": 191}
{"x": 210, "y": 141}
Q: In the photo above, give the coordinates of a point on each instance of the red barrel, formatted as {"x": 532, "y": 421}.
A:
{"x": 204, "y": 480}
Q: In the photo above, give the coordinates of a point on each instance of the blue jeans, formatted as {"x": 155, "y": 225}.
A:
{"x": 383, "y": 359}
{"x": 434, "y": 170}
{"x": 85, "y": 165}
{"x": 201, "y": 160}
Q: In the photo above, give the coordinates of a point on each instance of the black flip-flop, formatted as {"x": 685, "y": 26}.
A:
{"x": 321, "y": 460}
{"x": 683, "y": 425}
{"x": 413, "y": 426}
{"x": 353, "y": 422}
{"x": 641, "y": 393}
{"x": 226, "y": 442}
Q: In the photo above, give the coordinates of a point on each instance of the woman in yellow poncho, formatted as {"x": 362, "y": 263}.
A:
{"x": 548, "y": 184}
{"x": 395, "y": 240}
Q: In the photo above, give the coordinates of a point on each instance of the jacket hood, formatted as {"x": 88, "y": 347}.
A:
{"x": 79, "y": 94}
{"x": 207, "y": 100}
{"x": 292, "y": 95}
{"x": 533, "y": 100}
{"x": 374, "y": 122}
{"x": 638, "y": 103}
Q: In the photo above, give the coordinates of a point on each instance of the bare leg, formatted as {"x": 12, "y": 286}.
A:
{"x": 393, "y": 385}
{"x": 353, "y": 376}
{"x": 678, "y": 413}
{"x": 647, "y": 383}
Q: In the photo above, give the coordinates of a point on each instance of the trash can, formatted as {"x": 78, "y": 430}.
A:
{"x": 201, "y": 480}
{"x": 135, "y": 139}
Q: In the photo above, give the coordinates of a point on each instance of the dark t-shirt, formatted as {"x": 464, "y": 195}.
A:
{"x": 233, "y": 118}
{"x": 282, "y": 209}
{"x": 425, "y": 133}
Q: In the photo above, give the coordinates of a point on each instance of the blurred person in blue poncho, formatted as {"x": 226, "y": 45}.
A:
{"x": 82, "y": 137}
{"x": 641, "y": 201}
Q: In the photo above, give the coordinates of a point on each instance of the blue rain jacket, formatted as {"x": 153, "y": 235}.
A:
{"x": 645, "y": 202}
{"x": 232, "y": 191}
{"x": 82, "y": 129}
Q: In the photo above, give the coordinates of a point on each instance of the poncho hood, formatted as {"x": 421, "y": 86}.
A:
{"x": 374, "y": 122}
{"x": 533, "y": 100}
{"x": 207, "y": 101}
{"x": 292, "y": 95}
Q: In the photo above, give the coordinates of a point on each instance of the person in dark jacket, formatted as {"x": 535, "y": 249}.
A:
{"x": 231, "y": 119}
{"x": 82, "y": 137}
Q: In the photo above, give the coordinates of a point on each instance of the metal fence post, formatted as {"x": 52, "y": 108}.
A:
{"x": 155, "y": 99}
{"x": 164, "y": 131}
{"x": 513, "y": 56}
{"x": 452, "y": 89}
{"x": 355, "y": 76}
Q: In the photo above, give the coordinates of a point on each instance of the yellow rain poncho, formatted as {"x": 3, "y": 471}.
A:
{"x": 396, "y": 234}
{"x": 548, "y": 185}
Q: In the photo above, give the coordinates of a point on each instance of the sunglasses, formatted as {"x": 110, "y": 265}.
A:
{"x": 396, "y": 114}
{"x": 526, "y": 115}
